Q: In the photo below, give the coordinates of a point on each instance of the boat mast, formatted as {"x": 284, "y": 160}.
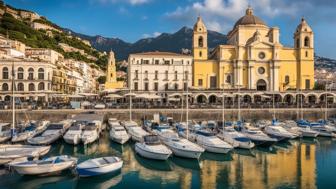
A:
{"x": 238, "y": 97}
{"x": 187, "y": 105}
{"x": 13, "y": 100}
{"x": 223, "y": 106}
{"x": 326, "y": 102}
{"x": 130, "y": 104}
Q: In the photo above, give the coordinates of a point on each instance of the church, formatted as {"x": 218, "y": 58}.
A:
{"x": 254, "y": 58}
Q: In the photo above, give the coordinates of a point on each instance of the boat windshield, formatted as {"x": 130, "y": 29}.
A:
{"x": 242, "y": 139}
{"x": 119, "y": 129}
{"x": 90, "y": 127}
{"x": 151, "y": 139}
{"x": 74, "y": 128}
{"x": 205, "y": 133}
{"x": 55, "y": 126}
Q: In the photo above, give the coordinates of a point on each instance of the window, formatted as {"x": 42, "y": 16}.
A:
{"x": 175, "y": 75}
{"x": 41, "y": 86}
{"x": 228, "y": 79}
{"x": 20, "y": 87}
{"x": 167, "y": 62}
{"x": 156, "y": 74}
{"x": 186, "y": 75}
{"x": 146, "y": 75}
{"x": 200, "y": 82}
{"x": 213, "y": 82}
{"x": 5, "y": 87}
{"x": 166, "y": 74}
{"x": 307, "y": 84}
{"x": 306, "y": 54}
{"x": 185, "y": 86}
{"x": 176, "y": 86}
{"x": 200, "y": 54}
{"x": 136, "y": 74}
{"x": 5, "y": 73}
{"x": 30, "y": 73}
{"x": 146, "y": 62}
{"x": 261, "y": 70}
{"x": 157, "y": 61}
{"x": 166, "y": 86}
{"x": 286, "y": 79}
{"x": 146, "y": 87}
{"x": 297, "y": 43}
{"x": 20, "y": 73}
{"x": 136, "y": 86}
{"x": 200, "y": 41}
{"x": 306, "y": 42}
{"x": 40, "y": 73}
{"x": 31, "y": 87}
{"x": 156, "y": 86}
{"x": 261, "y": 55}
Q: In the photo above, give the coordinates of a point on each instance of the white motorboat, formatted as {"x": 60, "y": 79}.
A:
{"x": 136, "y": 132}
{"x": 118, "y": 134}
{"x": 9, "y": 153}
{"x": 28, "y": 132}
{"x": 324, "y": 130}
{"x": 112, "y": 122}
{"x": 235, "y": 138}
{"x": 152, "y": 148}
{"x": 258, "y": 137}
{"x": 303, "y": 131}
{"x": 179, "y": 146}
{"x": 99, "y": 166}
{"x": 74, "y": 133}
{"x": 41, "y": 126}
{"x": 53, "y": 133}
{"x": 209, "y": 141}
{"x": 5, "y": 132}
{"x": 45, "y": 166}
{"x": 90, "y": 134}
{"x": 278, "y": 132}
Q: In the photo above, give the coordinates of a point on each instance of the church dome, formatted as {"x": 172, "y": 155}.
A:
{"x": 249, "y": 19}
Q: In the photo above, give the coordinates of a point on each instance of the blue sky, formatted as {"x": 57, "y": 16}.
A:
{"x": 131, "y": 20}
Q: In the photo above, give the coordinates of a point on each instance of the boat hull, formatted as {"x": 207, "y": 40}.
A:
{"x": 263, "y": 143}
{"x": 120, "y": 140}
{"x": 95, "y": 171}
{"x": 43, "y": 169}
{"x": 44, "y": 140}
{"x": 186, "y": 153}
{"x": 72, "y": 140}
{"x": 150, "y": 155}
{"x": 214, "y": 149}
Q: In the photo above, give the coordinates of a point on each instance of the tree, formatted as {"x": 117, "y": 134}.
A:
{"x": 101, "y": 79}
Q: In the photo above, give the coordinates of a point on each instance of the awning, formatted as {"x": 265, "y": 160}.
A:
{"x": 113, "y": 96}
{"x": 76, "y": 96}
{"x": 88, "y": 94}
{"x": 174, "y": 99}
{"x": 130, "y": 94}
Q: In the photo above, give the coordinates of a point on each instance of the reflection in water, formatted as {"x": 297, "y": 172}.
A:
{"x": 291, "y": 165}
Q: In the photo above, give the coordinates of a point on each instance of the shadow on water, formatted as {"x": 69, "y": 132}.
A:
{"x": 118, "y": 147}
{"x": 245, "y": 152}
{"x": 193, "y": 164}
{"x": 216, "y": 156}
{"x": 100, "y": 182}
{"x": 153, "y": 164}
{"x": 38, "y": 181}
{"x": 265, "y": 150}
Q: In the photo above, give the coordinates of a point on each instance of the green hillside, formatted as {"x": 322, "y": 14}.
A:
{"x": 21, "y": 31}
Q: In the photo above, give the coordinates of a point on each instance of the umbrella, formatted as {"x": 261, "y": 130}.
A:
{"x": 113, "y": 96}
{"x": 130, "y": 94}
{"x": 75, "y": 96}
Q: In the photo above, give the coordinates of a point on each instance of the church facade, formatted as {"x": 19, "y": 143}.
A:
{"x": 254, "y": 58}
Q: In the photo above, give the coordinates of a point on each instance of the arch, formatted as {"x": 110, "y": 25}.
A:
{"x": 228, "y": 79}
{"x": 20, "y": 87}
{"x": 20, "y": 73}
{"x": 287, "y": 79}
{"x": 247, "y": 98}
{"x": 31, "y": 87}
{"x": 5, "y": 74}
{"x": 306, "y": 42}
{"x": 277, "y": 98}
{"x": 257, "y": 98}
{"x": 5, "y": 87}
{"x": 201, "y": 98}
{"x": 212, "y": 99}
{"x": 41, "y": 86}
{"x": 297, "y": 43}
{"x": 40, "y": 73}
{"x": 200, "y": 42}
{"x": 288, "y": 98}
{"x": 7, "y": 98}
{"x": 261, "y": 85}
{"x": 312, "y": 99}
{"x": 31, "y": 73}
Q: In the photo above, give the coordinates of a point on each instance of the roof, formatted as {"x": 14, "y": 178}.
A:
{"x": 159, "y": 53}
{"x": 249, "y": 19}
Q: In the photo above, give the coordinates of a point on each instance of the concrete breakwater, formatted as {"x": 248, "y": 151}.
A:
{"x": 177, "y": 114}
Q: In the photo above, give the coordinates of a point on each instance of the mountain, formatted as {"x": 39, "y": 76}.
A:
{"x": 175, "y": 42}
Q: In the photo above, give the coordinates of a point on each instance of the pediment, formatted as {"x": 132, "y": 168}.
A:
{"x": 260, "y": 44}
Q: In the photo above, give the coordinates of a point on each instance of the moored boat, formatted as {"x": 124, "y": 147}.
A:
{"x": 152, "y": 148}
{"x": 90, "y": 133}
{"x": 73, "y": 135}
{"x": 136, "y": 132}
{"x": 99, "y": 166}
{"x": 118, "y": 134}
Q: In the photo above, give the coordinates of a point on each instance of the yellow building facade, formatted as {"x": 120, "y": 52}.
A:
{"x": 111, "y": 74}
{"x": 254, "y": 58}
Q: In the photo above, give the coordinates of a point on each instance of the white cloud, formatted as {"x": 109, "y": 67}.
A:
{"x": 155, "y": 34}
{"x": 131, "y": 2}
{"x": 220, "y": 15}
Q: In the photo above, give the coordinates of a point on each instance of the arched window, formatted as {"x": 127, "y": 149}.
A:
{"x": 306, "y": 42}
{"x": 200, "y": 54}
{"x": 200, "y": 41}
{"x": 5, "y": 87}
{"x": 286, "y": 79}
{"x": 20, "y": 73}
{"x": 297, "y": 43}
{"x": 228, "y": 79}
{"x": 31, "y": 87}
{"x": 20, "y": 87}
{"x": 306, "y": 54}
{"x": 5, "y": 73}
{"x": 41, "y": 86}
{"x": 40, "y": 73}
{"x": 30, "y": 73}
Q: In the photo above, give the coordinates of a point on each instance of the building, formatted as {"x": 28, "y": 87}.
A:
{"x": 254, "y": 58}
{"x": 32, "y": 79}
{"x": 44, "y": 55}
{"x": 159, "y": 71}
{"x": 111, "y": 74}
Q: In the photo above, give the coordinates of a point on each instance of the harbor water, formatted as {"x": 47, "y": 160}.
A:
{"x": 299, "y": 163}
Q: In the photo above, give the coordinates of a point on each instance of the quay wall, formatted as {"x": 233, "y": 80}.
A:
{"x": 177, "y": 114}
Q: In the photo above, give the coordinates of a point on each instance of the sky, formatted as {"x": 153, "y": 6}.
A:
{"x": 131, "y": 20}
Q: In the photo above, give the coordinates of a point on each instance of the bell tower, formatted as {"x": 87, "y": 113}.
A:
{"x": 200, "y": 40}
{"x": 111, "y": 75}
{"x": 304, "y": 45}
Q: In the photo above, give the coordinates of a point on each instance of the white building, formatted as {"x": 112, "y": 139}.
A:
{"x": 159, "y": 71}
{"x": 32, "y": 79}
{"x": 44, "y": 54}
